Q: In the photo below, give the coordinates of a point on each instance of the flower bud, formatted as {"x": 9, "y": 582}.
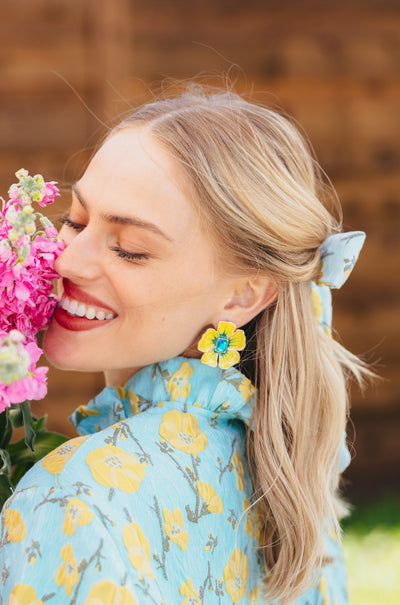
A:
{"x": 13, "y": 192}
{"x": 16, "y": 336}
{"x": 46, "y": 222}
{"x": 14, "y": 361}
{"x": 13, "y": 235}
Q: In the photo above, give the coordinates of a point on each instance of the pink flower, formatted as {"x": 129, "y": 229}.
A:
{"x": 13, "y": 192}
{"x": 50, "y": 192}
{"x": 29, "y": 387}
{"x": 19, "y": 358}
{"x": 24, "y": 240}
{"x": 26, "y": 282}
{"x": 51, "y": 232}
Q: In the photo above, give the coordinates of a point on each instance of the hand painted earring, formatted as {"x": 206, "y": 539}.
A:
{"x": 222, "y": 345}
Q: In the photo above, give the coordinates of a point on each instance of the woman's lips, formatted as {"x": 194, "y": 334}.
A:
{"x": 75, "y": 323}
{"x": 78, "y": 310}
{"x": 75, "y": 293}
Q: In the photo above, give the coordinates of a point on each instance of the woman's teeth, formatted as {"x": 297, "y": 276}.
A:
{"x": 79, "y": 309}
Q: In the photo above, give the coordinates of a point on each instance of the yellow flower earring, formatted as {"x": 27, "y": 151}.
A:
{"x": 222, "y": 345}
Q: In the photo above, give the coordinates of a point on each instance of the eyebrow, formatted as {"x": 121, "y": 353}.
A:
{"x": 123, "y": 220}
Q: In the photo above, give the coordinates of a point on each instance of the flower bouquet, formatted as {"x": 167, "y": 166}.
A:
{"x": 27, "y": 256}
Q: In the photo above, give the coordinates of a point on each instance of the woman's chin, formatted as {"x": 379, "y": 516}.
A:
{"x": 58, "y": 353}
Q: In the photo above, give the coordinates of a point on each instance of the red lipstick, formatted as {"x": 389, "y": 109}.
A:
{"x": 73, "y": 322}
{"x": 73, "y": 291}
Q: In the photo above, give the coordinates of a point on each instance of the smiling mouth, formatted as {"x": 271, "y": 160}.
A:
{"x": 77, "y": 308}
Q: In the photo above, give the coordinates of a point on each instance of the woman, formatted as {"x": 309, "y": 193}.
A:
{"x": 198, "y": 220}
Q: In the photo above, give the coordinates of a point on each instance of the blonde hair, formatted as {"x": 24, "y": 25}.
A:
{"x": 258, "y": 188}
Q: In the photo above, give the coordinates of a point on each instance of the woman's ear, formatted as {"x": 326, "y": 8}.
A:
{"x": 251, "y": 296}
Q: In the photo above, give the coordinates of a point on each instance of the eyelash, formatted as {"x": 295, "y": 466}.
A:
{"x": 65, "y": 220}
{"x": 129, "y": 256}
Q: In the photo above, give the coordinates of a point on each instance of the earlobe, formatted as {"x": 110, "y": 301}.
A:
{"x": 250, "y": 298}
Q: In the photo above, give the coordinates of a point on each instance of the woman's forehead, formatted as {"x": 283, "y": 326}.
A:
{"x": 133, "y": 175}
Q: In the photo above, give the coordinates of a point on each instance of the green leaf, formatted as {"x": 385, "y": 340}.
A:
{"x": 45, "y": 443}
{"x": 18, "y": 472}
{"x": 16, "y": 417}
{"x": 39, "y": 424}
{"x": 30, "y": 433}
{"x": 5, "y": 489}
{"x": 5, "y": 463}
{"x": 5, "y": 428}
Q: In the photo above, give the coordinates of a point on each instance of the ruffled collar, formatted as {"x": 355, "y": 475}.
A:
{"x": 179, "y": 381}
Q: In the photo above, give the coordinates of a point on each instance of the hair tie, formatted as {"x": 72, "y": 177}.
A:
{"x": 339, "y": 254}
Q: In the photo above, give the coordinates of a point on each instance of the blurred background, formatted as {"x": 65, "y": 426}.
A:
{"x": 69, "y": 68}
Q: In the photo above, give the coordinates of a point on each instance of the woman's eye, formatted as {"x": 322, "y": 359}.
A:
{"x": 130, "y": 256}
{"x": 65, "y": 220}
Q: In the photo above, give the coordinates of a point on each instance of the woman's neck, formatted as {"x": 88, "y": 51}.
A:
{"x": 117, "y": 378}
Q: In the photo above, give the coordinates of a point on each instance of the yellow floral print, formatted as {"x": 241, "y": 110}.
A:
{"x": 236, "y": 574}
{"x": 246, "y": 389}
{"x": 113, "y": 467}
{"x": 134, "y": 401}
{"x": 179, "y": 384}
{"x": 239, "y": 469}
{"x": 182, "y": 432}
{"x": 76, "y": 513}
{"x": 316, "y": 304}
{"x": 22, "y": 594}
{"x": 108, "y": 593}
{"x": 253, "y": 596}
{"x": 84, "y": 411}
{"x": 320, "y": 278}
{"x": 318, "y": 310}
{"x": 138, "y": 548}
{"x": 210, "y": 497}
{"x": 174, "y": 528}
{"x": 187, "y": 590}
{"x": 121, "y": 392}
{"x": 249, "y": 522}
{"x": 67, "y": 574}
{"x": 57, "y": 459}
{"x": 323, "y": 589}
{"x": 15, "y": 525}
{"x": 222, "y": 345}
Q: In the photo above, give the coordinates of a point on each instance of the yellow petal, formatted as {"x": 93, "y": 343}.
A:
{"x": 238, "y": 340}
{"x": 167, "y": 516}
{"x": 226, "y": 327}
{"x": 228, "y": 359}
{"x": 207, "y": 340}
{"x": 210, "y": 358}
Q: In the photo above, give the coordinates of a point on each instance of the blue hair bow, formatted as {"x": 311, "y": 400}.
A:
{"x": 339, "y": 254}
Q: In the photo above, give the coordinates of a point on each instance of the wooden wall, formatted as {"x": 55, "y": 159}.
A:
{"x": 69, "y": 66}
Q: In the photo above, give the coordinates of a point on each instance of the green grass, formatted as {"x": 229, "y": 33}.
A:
{"x": 372, "y": 553}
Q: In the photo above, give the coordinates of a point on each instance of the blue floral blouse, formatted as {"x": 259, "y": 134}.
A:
{"x": 150, "y": 505}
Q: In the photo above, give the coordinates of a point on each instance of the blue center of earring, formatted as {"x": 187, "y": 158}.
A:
{"x": 221, "y": 346}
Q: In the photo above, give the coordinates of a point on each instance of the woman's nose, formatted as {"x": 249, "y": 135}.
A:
{"x": 81, "y": 259}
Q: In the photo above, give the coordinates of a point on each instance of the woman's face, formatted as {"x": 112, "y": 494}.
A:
{"x": 139, "y": 274}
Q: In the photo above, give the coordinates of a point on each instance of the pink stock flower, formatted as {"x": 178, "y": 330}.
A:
{"x": 13, "y": 192}
{"x": 51, "y": 232}
{"x": 26, "y": 280}
{"x": 29, "y": 387}
{"x": 50, "y": 192}
{"x": 32, "y": 385}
